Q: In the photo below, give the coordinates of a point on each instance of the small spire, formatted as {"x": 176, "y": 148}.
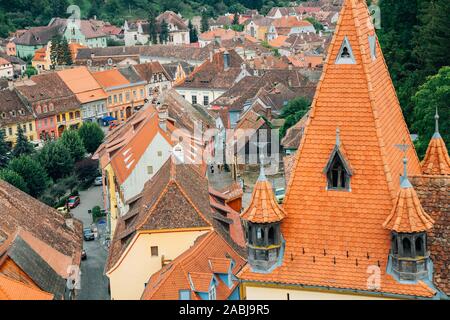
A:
{"x": 262, "y": 174}
{"x": 436, "y": 125}
{"x": 404, "y": 181}
{"x": 338, "y": 137}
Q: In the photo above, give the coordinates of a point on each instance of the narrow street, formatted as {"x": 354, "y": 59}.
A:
{"x": 94, "y": 284}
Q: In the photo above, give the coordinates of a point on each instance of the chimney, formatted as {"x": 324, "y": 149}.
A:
{"x": 289, "y": 82}
{"x": 269, "y": 113}
{"x": 218, "y": 40}
{"x": 92, "y": 55}
{"x": 290, "y": 65}
{"x": 211, "y": 56}
{"x": 163, "y": 114}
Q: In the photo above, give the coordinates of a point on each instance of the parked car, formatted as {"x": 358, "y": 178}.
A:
{"x": 98, "y": 181}
{"x": 279, "y": 194}
{"x": 63, "y": 210}
{"x": 73, "y": 201}
{"x": 88, "y": 235}
{"x": 83, "y": 255}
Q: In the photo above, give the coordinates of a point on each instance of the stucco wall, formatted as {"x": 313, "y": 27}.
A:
{"x": 129, "y": 278}
{"x": 266, "y": 293}
{"x": 200, "y": 93}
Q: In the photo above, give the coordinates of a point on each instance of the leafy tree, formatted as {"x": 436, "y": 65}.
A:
{"x": 4, "y": 150}
{"x": 57, "y": 191}
{"x": 204, "y": 22}
{"x": 164, "y": 32}
{"x": 434, "y": 93}
{"x": 14, "y": 179}
{"x": 22, "y": 147}
{"x": 56, "y": 159}
{"x": 86, "y": 169}
{"x": 293, "y": 112}
{"x": 36, "y": 177}
{"x": 152, "y": 28}
{"x": 193, "y": 36}
{"x": 72, "y": 141}
{"x": 316, "y": 24}
{"x": 66, "y": 56}
{"x": 92, "y": 136}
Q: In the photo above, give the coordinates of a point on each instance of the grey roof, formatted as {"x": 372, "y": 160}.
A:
{"x": 39, "y": 35}
{"x": 36, "y": 268}
{"x": 131, "y": 75}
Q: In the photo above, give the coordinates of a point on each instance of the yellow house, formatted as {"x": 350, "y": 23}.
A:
{"x": 125, "y": 90}
{"x": 68, "y": 120}
{"x": 15, "y": 113}
{"x": 172, "y": 211}
{"x": 41, "y": 60}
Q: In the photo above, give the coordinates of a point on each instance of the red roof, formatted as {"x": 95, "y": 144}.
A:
{"x": 11, "y": 289}
{"x": 332, "y": 237}
{"x": 436, "y": 161}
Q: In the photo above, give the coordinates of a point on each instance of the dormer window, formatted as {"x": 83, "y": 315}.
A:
{"x": 337, "y": 170}
{"x": 212, "y": 292}
{"x": 373, "y": 47}
{"x": 345, "y": 55}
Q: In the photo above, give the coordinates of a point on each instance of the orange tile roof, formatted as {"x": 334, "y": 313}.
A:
{"x": 224, "y": 34}
{"x": 201, "y": 281}
{"x": 332, "y": 237}
{"x": 263, "y": 207}
{"x": 408, "y": 215}
{"x": 196, "y": 261}
{"x": 437, "y": 160}
{"x": 290, "y": 22}
{"x": 11, "y": 289}
{"x": 39, "y": 54}
{"x": 278, "y": 41}
{"x": 220, "y": 265}
{"x": 110, "y": 78}
{"x": 81, "y": 82}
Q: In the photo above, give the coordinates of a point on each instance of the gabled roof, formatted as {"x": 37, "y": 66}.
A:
{"x": 11, "y": 289}
{"x": 81, "y": 82}
{"x": 12, "y": 109}
{"x": 147, "y": 70}
{"x": 110, "y": 79}
{"x": 39, "y": 35}
{"x": 171, "y": 17}
{"x": 20, "y": 210}
{"x": 88, "y": 28}
{"x": 332, "y": 237}
{"x": 208, "y": 250}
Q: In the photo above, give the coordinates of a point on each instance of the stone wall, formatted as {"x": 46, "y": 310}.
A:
{"x": 434, "y": 194}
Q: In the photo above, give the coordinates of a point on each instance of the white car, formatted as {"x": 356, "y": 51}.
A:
{"x": 98, "y": 181}
{"x": 279, "y": 194}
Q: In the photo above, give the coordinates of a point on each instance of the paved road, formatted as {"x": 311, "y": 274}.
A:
{"x": 94, "y": 284}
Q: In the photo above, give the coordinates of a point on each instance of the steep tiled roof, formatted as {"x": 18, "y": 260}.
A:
{"x": 172, "y": 18}
{"x": 436, "y": 161}
{"x": 208, "y": 250}
{"x": 87, "y": 27}
{"x": 147, "y": 70}
{"x": 109, "y": 79}
{"x": 263, "y": 207}
{"x": 294, "y": 134}
{"x": 212, "y": 74}
{"x": 408, "y": 215}
{"x": 223, "y": 34}
{"x": 13, "y": 109}
{"x": 11, "y": 289}
{"x": 20, "y": 210}
{"x": 38, "y": 35}
{"x": 332, "y": 237}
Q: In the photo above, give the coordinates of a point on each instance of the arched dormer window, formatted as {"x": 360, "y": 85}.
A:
{"x": 345, "y": 54}
{"x": 406, "y": 247}
{"x": 419, "y": 247}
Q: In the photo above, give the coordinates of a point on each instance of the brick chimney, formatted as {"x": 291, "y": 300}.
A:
{"x": 163, "y": 114}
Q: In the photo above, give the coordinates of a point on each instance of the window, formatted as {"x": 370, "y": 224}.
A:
{"x": 127, "y": 96}
{"x": 205, "y": 100}
{"x": 51, "y": 107}
{"x": 134, "y": 94}
{"x": 154, "y": 251}
{"x": 160, "y": 77}
{"x": 194, "y": 99}
{"x": 13, "y": 113}
{"x": 71, "y": 115}
{"x": 120, "y": 97}
{"x": 24, "y": 128}
{"x": 109, "y": 99}
{"x": 155, "y": 77}
{"x": 63, "y": 117}
{"x": 419, "y": 247}
{"x": 406, "y": 247}
{"x": 184, "y": 295}
{"x": 149, "y": 169}
{"x": 345, "y": 54}
{"x": 142, "y": 93}
{"x": 115, "y": 99}
{"x": 45, "y": 108}
{"x": 212, "y": 293}
{"x": 10, "y": 131}
{"x": 31, "y": 126}
{"x": 159, "y": 153}
{"x": 337, "y": 175}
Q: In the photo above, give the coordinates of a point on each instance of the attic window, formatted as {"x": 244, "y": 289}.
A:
{"x": 337, "y": 175}
{"x": 373, "y": 47}
{"x": 13, "y": 113}
{"x": 21, "y": 112}
{"x": 345, "y": 55}
{"x": 3, "y": 115}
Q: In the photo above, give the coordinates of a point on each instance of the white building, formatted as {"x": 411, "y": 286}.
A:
{"x": 6, "y": 69}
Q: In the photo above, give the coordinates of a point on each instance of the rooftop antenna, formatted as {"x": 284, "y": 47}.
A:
{"x": 404, "y": 182}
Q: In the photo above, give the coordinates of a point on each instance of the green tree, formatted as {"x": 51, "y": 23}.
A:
{"x": 152, "y": 28}
{"x": 87, "y": 169}
{"x": 32, "y": 170}
{"x": 92, "y": 136}
{"x": 193, "y": 36}
{"x": 66, "y": 56}
{"x": 14, "y": 179}
{"x": 56, "y": 159}
{"x": 55, "y": 50}
{"x": 204, "y": 22}
{"x": 236, "y": 19}
{"x": 22, "y": 147}
{"x": 316, "y": 24}
{"x": 293, "y": 112}
{"x": 434, "y": 93}
{"x": 72, "y": 141}
{"x": 4, "y": 150}
{"x": 164, "y": 32}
